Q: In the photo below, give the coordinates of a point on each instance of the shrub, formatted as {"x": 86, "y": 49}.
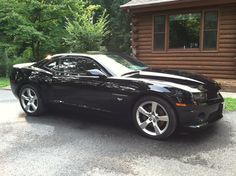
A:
{"x": 86, "y": 33}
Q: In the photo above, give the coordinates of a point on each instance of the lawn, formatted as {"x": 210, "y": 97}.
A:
{"x": 4, "y": 82}
{"x": 230, "y": 104}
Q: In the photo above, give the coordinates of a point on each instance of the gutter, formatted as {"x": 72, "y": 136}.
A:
{"x": 154, "y": 3}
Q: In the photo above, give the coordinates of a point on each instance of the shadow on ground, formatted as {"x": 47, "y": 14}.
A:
{"x": 118, "y": 131}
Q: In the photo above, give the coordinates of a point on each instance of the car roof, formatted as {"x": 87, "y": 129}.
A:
{"x": 90, "y": 54}
{"x": 94, "y": 56}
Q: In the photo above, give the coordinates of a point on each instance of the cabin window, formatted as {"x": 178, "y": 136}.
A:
{"x": 210, "y": 30}
{"x": 68, "y": 66}
{"x": 53, "y": 65}
{"x": 85, "y": 64}
{"x": 184, "y": 31}
{"x": 159, "y": 32}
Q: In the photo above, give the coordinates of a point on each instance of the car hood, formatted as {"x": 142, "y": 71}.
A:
{"x": 179, "y": 79}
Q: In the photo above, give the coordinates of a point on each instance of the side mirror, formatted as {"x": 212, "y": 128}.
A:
{"x": 96, "y": 72}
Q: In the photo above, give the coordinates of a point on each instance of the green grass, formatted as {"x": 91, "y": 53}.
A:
{"x": 230, "y": 104}
{"x": 4, "y": 82}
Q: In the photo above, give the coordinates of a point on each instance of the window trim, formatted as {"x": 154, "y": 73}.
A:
{"x": 167, "y": 32}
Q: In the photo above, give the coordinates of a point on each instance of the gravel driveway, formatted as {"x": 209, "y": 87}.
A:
{"x": 64, "y": 143}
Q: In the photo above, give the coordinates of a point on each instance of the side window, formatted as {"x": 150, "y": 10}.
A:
{"x": 68, "y": 65}
{"x": 53, "y": 65}
{"x": 210, "y": 30}
{"x": 73, "y": 66}
{"x": 85, "y": 64}
{"x": 159, "y": 32}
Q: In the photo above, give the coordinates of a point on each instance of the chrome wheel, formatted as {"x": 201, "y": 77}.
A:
{"x": 29, "y": 100}
{"x": 152, "y": 118}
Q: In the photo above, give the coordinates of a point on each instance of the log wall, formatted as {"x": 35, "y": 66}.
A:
{"x": 217, "y": 64}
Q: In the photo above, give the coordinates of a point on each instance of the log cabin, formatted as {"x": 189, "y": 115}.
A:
{"x": 192, "y": 35}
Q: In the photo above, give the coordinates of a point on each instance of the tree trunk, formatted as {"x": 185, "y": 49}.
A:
{"x": 37, "y": 50}
{"x": 33, "y": 50}
{"x": 6, "y": 62}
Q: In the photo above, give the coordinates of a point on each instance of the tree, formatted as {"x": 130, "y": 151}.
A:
{"x": 6, "y": 47}
{"x": 37, "y": 24}
{"x": 31, "y": 29}
{"x": 85, "y": 32}
{"x": 119, "y": 25}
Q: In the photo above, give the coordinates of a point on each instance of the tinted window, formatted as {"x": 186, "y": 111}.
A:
{"x": 68, "y": 65}
{"x": 77, "y": 66}
{"x": 53, "y": 65}
{"x": 85, "y": 64}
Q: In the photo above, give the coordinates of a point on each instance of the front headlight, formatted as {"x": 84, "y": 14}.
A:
{"x": 181, "y": 96}
{"x": 199, "y": 97}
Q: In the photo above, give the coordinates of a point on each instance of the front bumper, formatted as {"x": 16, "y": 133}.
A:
{"x": 198, "y": 116}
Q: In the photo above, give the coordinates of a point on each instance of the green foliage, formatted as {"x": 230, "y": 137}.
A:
{"x": 4, "y": 82}
{"x": 32, "y": 29}
{"x": 6, "y": 65}
{"x": 230, "y": 104}
{"x": 86, "y": 34}
{"x": 119, "y": 25}
{"x": 37, "y": 24}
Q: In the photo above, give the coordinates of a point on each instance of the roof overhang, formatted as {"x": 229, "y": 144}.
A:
{"x": 131, "y": 5}
{"x": 170, "y": 4}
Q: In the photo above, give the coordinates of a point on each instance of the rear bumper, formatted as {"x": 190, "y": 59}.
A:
{"x": 14, "y": 89}
{"x": 201, "y": 115}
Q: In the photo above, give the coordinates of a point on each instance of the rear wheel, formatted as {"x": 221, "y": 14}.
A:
{"x": 31, "y": 101}
{"x": 154, "y": 117}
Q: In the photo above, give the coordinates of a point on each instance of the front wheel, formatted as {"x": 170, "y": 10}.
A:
{"x": 31, "y": 101}
{"x": 154, "y": 117}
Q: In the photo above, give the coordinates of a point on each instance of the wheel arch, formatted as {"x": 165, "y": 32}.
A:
{"x": 28, "y": 83}
{"x": 40, "y": 107}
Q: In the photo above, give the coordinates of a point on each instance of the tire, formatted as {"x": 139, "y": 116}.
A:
{"x": 154, "y": 117}
{"x": 31, "y": 100}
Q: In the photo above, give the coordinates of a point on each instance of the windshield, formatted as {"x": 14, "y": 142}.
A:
{"x": 120, "y": 65}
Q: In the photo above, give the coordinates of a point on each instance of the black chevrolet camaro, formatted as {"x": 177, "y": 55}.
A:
{"x": 158, "y": 101}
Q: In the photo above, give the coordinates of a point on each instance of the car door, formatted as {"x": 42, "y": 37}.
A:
{"x": 110, "y": 94}
{"x": 62, "y": 69}
{"x": 72, "y": 85}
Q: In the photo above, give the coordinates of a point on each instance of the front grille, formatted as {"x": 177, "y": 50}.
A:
{"x": 212, "y": 94}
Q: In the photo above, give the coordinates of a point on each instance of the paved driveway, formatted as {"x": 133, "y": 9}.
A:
{"x": 84, "y": 144}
